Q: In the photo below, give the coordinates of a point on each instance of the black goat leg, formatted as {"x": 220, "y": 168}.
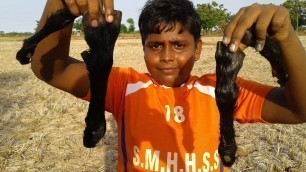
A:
{"x": 272, "y": 52}
{"x": 227, "y": 67}
{"x": 99, "y": 61}
{"x": 57, "y": 21}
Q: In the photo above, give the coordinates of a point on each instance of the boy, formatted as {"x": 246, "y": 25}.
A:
{"x": 167, "y": 119}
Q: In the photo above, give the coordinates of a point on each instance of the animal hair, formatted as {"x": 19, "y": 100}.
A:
{"x": 98, "y": 59}
{"x": 57, "y": 21}
{"x": 228, "y": 64}
{"x": 272, "y": 52}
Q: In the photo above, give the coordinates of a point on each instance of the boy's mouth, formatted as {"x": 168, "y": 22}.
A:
{"x": 168, "y": 71}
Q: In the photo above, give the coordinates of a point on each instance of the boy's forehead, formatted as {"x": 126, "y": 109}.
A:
{"x": 169, "y": 31}
{"x": 171, "y": 27}
{"x": 170, "y": 36}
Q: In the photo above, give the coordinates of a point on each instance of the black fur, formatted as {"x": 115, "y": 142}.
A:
{"x": 98, "y": 59}
{"x": 228, "y": 65}
{"x": 272, "y": 52}
{"x": 57, "y": 21}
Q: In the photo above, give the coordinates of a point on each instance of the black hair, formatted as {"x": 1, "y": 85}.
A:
{"x": 155, "y": 13}
{"x": 228, "y": 64}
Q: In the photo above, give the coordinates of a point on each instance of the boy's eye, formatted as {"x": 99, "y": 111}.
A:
{"x": 179, "y": 45}
{"x": 156, "y": 46}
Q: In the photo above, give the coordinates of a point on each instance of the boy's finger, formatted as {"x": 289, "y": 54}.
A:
{"x": 278, "y": 18}
{"x": 262, "y": 24}
{"x": 280, "y": 24}
{"x": 231, "y": 26}
{"x": 245, "y": 22}
{"x": 72, "y": 6}
{"x": 109, "y": 10}
{"x": 82, "y": 5}
{"x": 93, "y": 10}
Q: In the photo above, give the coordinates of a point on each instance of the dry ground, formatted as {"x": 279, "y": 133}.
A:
{"x": 41, "y": 127}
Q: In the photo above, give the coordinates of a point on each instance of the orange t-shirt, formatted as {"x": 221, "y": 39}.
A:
{"x": 173, "y": 129}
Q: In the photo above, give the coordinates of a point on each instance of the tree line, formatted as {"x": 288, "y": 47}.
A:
{"x": 77, "y": 26}
{"x": 214, "y": 18}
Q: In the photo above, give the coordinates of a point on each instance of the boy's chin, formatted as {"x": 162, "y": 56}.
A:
{"x": 170, "y": 82}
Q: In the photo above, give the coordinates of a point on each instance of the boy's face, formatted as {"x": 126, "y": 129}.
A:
{"x": 170, "y": 56}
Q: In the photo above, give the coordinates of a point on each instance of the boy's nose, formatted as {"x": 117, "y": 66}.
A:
{"x": 167, "y": 55}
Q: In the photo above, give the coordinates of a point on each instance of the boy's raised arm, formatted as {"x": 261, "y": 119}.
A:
{"x": 51, "y": 62}
{"x": 293, "y": 96}
{"x": 287, "y": 105}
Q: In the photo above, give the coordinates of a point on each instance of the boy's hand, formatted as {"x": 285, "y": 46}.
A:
{"x": 93, "y": 7}
{"x": 269, "y": 20}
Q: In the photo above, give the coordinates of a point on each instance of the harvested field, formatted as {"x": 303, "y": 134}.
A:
{"x": 41, "y": 128}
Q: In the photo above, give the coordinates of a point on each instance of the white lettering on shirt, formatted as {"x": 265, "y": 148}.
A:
{"x": 171, "y": 161}
{"x": 136, "y": 159}
{"x": 151, "y": 161}
{"x": 190, "y": 161}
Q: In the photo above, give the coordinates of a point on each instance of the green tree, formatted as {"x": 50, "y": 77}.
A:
{"x": 130, "y": 21}
{"x": 123, "y": 28}
{"x": 77, "y": 25}
{"x": 297, "y": 10}
{"x": 213, "y": 16}
{"x": 37, "y": 22}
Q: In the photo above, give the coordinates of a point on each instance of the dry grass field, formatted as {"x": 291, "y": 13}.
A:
{"x": 41, "y": 128}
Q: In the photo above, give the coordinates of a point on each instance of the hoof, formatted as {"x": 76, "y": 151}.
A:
{"x": 92, "y": 137}
{"x": 24, "y": 55}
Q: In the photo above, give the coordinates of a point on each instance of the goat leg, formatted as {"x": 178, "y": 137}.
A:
{"x": 57, "y": 21}
{"x": 272, "y": 52}
{"x": 99, "y": 61}
{"x": 228, "y": 66}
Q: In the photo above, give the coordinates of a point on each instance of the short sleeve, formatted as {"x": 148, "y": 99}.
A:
{"x": 250, "y": 101}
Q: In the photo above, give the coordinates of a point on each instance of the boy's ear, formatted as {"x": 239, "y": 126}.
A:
{"x": 198, "y": 50}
